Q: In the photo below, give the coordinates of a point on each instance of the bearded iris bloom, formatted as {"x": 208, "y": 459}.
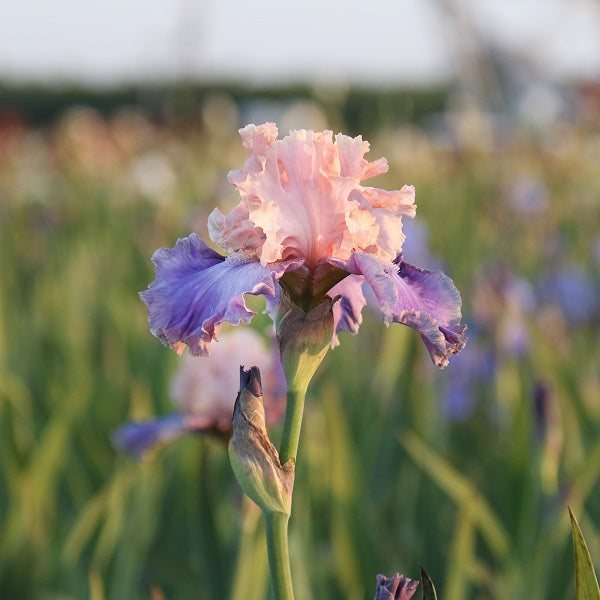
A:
{"x": 305, "y": 225}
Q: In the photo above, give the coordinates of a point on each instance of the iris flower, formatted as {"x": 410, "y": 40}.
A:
{"x": 307, "y": 225}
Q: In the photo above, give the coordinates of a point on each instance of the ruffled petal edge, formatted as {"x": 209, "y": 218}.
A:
{"x": 427, "y": 301}
{"x": 196, "y": 290}
{"x": 347, "y": 311}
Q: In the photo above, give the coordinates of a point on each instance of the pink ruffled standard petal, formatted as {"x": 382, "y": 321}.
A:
{"x": 234, "y": 230}
{"x": 291, "y": 196}
{"x": 196, "y": 290}
{"x": 304, "y": 198}
{"x": 425, "y": 300}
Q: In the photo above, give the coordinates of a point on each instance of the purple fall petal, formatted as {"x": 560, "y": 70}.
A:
{"x": 347, "y": 311}
{"x": 137, "y": 437}
{"x": 429, "y": 302}
{"x": 397, "y": 587}
{"x": 196, "y": 290}
{"x": 425, "y": 300}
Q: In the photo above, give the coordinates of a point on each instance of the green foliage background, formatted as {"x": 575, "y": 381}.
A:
{"x": 385, "y": 482}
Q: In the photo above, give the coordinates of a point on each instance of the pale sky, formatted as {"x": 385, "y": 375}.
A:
{"x": 380, "y": 42}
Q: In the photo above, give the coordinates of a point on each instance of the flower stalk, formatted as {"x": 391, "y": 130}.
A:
{"x": 266, "y": 476}
{"x": 276, "y": 528}
{"x": 292, "y": 425}
{"x": 304, "y": 338}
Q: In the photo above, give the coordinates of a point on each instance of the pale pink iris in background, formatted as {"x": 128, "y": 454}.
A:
{"x": 204, "y": 392}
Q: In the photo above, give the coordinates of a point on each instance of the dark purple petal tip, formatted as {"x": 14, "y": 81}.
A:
{"x": 397, "y": 587}
{"x": 197, "y": 289}
{"x": 250, "y": 380}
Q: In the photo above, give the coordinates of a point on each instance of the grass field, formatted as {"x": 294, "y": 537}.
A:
{"x": 466, "y": 471}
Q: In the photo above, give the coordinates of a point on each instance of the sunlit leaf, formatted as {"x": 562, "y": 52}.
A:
{"x": 96, "y": 585}
{"x": 460, "y": 489}
{"x": 586, "y": 584}
{"x": 462, "y": 555}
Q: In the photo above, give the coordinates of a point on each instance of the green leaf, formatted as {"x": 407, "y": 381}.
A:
{"x": 427, "y": 586}
{"x": 586, "y": 584}
{"x": 96, "y": 585}
{"x": 461, "y": 490}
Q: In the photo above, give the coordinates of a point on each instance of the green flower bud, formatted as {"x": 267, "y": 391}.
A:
{"x": 254, "y": 459}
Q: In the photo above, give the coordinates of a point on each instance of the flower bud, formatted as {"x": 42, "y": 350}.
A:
{"x": 397, "y": 587}
{"x": 254, "y": 459}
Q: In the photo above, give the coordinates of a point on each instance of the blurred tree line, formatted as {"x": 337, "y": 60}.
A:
{"x": 362, "y": 109}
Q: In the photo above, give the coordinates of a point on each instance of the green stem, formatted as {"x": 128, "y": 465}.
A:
{"x": 277, "y": 550}
{"x": 277, "y": 523}
{"x": 293, "y": 423}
